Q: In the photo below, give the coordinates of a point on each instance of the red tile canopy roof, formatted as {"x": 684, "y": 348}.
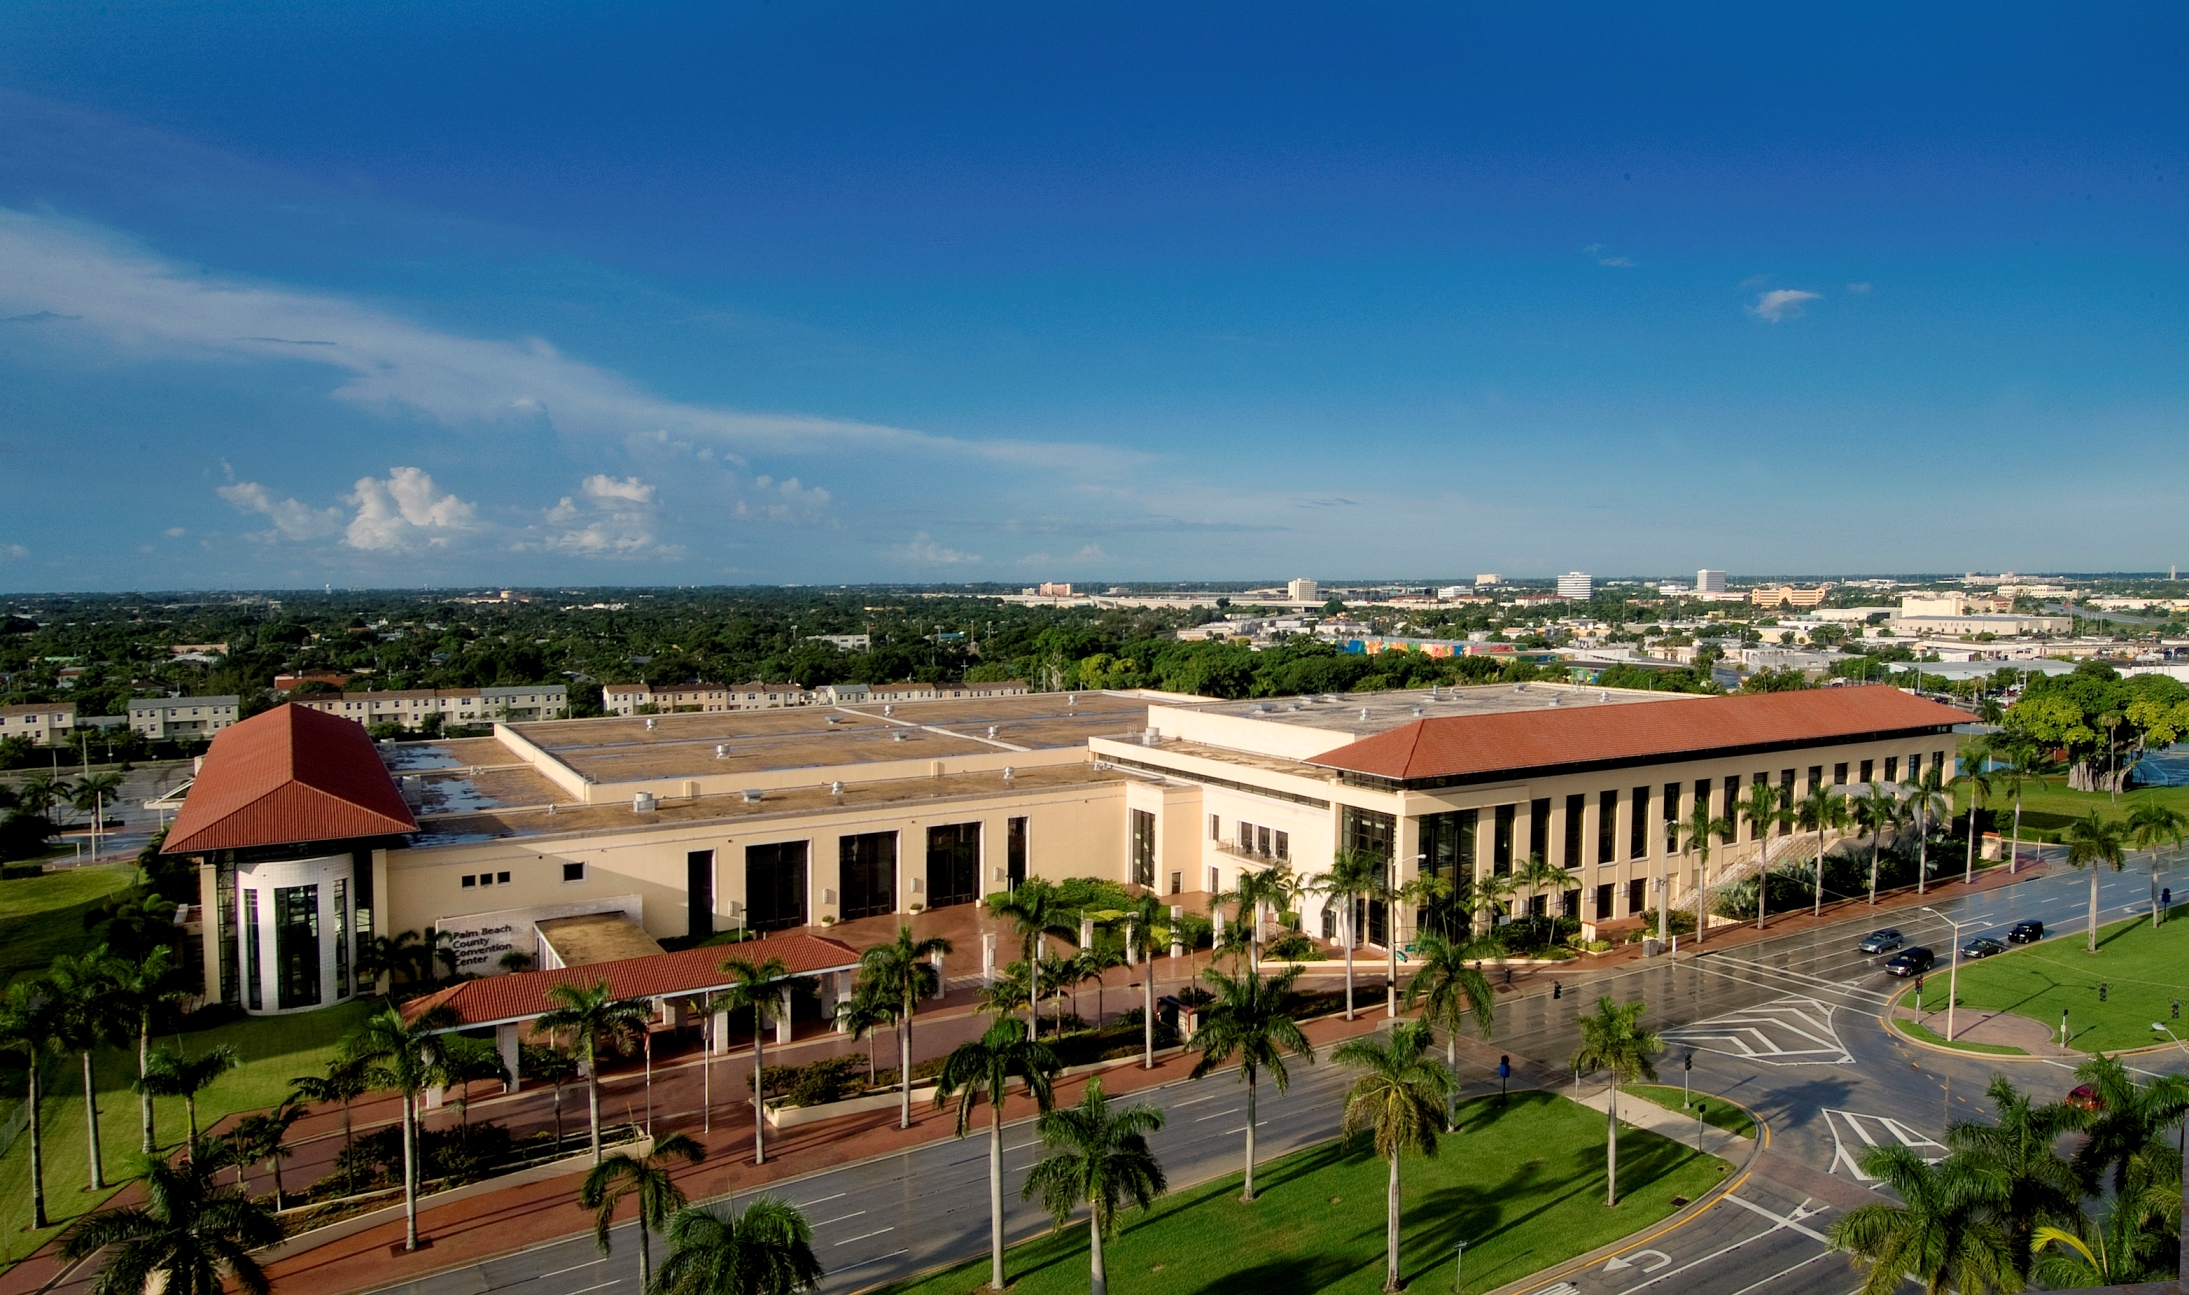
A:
{"x": 287, "y": 776}
{"x": 1460, "y": 749}
{"x": 521, "y": 996}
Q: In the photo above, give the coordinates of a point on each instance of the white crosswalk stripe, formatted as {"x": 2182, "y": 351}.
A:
{"x": 1786, "y": 1032}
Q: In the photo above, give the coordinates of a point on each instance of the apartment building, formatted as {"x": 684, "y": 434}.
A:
{"x": 410, "y": 707}
{"x": 45, "y": 723}
{"x": 630, "y": 698}
{"x": 168, "y": 719}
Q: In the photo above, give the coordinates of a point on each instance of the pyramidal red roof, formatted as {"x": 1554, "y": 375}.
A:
{"x": 1464, "y": 747}
{"x": 520, "y": 996}
{"x": 286, "y": 776}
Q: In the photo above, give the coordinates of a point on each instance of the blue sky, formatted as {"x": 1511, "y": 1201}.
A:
{"x": 384, "y": 294}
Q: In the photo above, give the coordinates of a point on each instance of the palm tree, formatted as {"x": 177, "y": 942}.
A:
{"x": 1093, "y": 963}
{"x": 345, "y": 1082}
{"x": 406, "y": 1056}
{"x": 766, "y": 1250}
{"x": 1944, "y": 1236}
{"x": 1820, "y": 809}
{"x": 1874, "y": 811}
{"x": 2151, "y": 825}
{"x": 900, "y": 971}
{"x": 1248, "y": 1021}
{"x": 1696, "y": 832}
{"x": 1537, "y": 876}
{"x": 1350, "y": 880}
{"x": 170, "y": 1074}
{"x": 189, "y": 1237}
{"x": 1259, "y": 889}
{"x": 1982, "y": 784}
{"x": 1450, "y": 993}
{"x": 1034, "y": 914}
{"x": 464, "y": 1062}
{"x": 2111, "y": 1251}
{"x": 2092, "y": 841}
{"x": 556, "y": 1066}
{"x": 2021, "y": 758}
{"x": 864, "y": 1014}
{"x": 87, "y": 1018}
{"x": 757, "y": 986}
{"x": 983, "y": 1068}
{"x": 1147, "y": 909}
{"x": 2129, "y": 1123}
{"x": 1763, "y": 808}
{"x": 1613, "y": 1041}
{"x": 140, "y": 989}
{"x": 1101, "y": 1157}
{"x": 89, "y": 794}
{"x": 646, "y": 1177}
{"x": 1927, "y": 797}
{"x": 593, "y": 1018}
{"x": 2017, "y": 1151}
{"x": 29, "y": 1025}
{"x": 1400, "y": 1098}
{"x": 261, "y": 1137}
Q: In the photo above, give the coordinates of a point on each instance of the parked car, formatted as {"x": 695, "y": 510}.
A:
{"x": 1884, "y": 941}
{"x": 1911, "y": 962}
{"x": 2084, "y": 1097}
{"x": 1982, "y": 947}
{"x": 2026, "y": 933}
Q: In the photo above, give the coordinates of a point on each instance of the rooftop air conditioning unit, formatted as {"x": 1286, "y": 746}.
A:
{"x": 652, "y": 723}
{"x": 752, "y": 795}
{"x": 643, "y": 803}
{"x": 721, "y": 751}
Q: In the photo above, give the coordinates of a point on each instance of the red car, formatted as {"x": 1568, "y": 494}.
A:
{"x": 2084, "y": 1097}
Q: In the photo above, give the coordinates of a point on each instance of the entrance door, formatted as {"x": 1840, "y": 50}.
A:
{"x": 699, "y": 893}
{"x": 953, "y": 864}
{"x": 1014, "y": 852}
{"x": 868, "y": 865}
{"x": 775, "y": 886}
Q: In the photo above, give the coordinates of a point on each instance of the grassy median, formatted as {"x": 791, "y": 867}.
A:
{"x": 1717, "y": 1112}
{"x": 2144, "y": 971}
{"x": 1522, "y": 1185}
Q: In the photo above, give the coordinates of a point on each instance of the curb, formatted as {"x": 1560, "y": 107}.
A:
{"x": 1898, "y": 1035}
{"x": 1642, "y": 1236}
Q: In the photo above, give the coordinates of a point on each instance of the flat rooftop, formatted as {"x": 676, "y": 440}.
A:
{"x": 1361, "y": 713}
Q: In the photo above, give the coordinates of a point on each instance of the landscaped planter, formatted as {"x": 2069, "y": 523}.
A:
{"x": 784, "y": 1116}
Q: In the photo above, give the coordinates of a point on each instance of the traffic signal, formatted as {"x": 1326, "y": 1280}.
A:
{"x": 2101, "y": 991}
{"x": 1688, "y": 1062}
{"x": 2177, "y": 1009}
{"x": 1558, "y": 989}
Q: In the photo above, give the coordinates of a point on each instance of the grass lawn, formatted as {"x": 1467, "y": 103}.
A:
{"x": 1718, "y": 1113}
{"x": 2048, "y": 806}
{"x": 1917, "y": 1030}
{"x": 41, "y": 917}
{"x": 2144, "y": 971}
{"x": 275, "y": 1050}
{"x": 1523, "y": 1185}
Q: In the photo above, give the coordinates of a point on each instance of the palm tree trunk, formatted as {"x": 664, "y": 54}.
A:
{"x": 904, "y": 1066}
{"x": 145, "y": 1092}
{"x": 1391, "y": 1230}
{"x": 37, "y": 1154}
{"x": 759, "y": 1091}
{"x": 190, "y": 1112}
{"x": 1922, "y": 856}
{"x": 592, "y": 1101}
{"x": 645, "y": 1252}
{"x": 558, "y": 1117}
{"x": 91, "y": 1118}
{"x": 2093, "y": 948}
{"x": 274, "y": 1162}
{"x": 1702, "y": 897}
{"x": 2154, "y": 890}
{"x": 1817, "y": 910}
{"x": 995, "y": 1193}
{"x": 1033, "y": 1002}
{"x": 1451, "y": 1095}
{"x": 410, "y": 1170}
{"x": 2014, "y": 852}
{"x": 1391, "y": 960}
{"x": 1248, "y": 1194}
{"x": 1611, "y": 1144}
{"x": 1877, "y": 839}
{"x": 1147, "y": 1011}
{"x": 1098, "y": 1276}
{"x": 1350, "y": 940}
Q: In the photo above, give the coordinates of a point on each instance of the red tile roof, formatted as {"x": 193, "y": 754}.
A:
{"x": 523, "y": 995}
{"x": 286, "y": 776}
{"x": 1462, "y": 748}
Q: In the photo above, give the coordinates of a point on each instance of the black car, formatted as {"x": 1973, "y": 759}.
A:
{"x": 1911, "y": 962}
{"x": 1982, "y": 947}
{"x": 2026, "y": 933}
{"x": 1884, "y": 941}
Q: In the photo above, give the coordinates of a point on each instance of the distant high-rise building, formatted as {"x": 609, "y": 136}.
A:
{"x": 1490, "y": 579}
{"x": 1709, "y": 582}
{"x": 1303, "y": 590}
{"x": 1576, "y": 584}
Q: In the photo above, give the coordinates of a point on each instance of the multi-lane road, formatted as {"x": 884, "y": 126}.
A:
{"x": 1787, "y": 1026}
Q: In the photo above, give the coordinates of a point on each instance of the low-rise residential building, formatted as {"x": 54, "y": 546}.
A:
{"x": 1789, "y": 596}
{"x": 168, "y": 719}
{"x": 843, "y": 642}
{"x": 284, "y": 684}
{"x": 631, "y": 698}
{"x": 409, "y": 707}
{"x": 768, "y": 696}
{"x": 45, "y": 723}
{"x": 526, "y": 701}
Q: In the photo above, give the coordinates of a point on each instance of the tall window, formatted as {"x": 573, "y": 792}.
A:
{"x": 1576, "y": 814}
{"x": 224, "y": 897}
{"x": 1786, "y": 800}
{"x": 1638, "y": 825}
{"x": 254, "y": 995}
{"x": 1869, "y": 769}
{"x": 1501, "y": 840}
{"x": 1539, "y": 829}
{"x": 775, "y": 886}
{"x": 1143, "y": 846}
{"x": 341, "y": 939}
{"x": 953, "y": 864}
{"x": 1892, "y": 768}
{"x": 296, "y": 946}
{"x": 698, "y": 893}
{"x": 1366, "y": 831}
{"x": 1607, "y": 826}
{"x": 1448, "y": 851}
{"x": 1731, "y": 813}
{"x": 867, "y": 871}
{"x": 1014, "y": 849}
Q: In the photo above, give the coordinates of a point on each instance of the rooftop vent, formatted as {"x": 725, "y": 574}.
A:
{"x": 897, "y": 736}
{"x": 1009, "y": 773}
{"x": 836, "y": 789}
{"x": 1417, "y": 712}
{"x": 1603, "y": 696}
{"x": 991, "y": 730}
{"x": 832, "y": 719}
{"x": 1364, "y": 712}
{"x": 1071, "y": 699}
{"x": 643, "y": 803}
{"x": 752, "y": 795}
{"x": 652, "y": 723}
{"x": 889, "y": 710}
{"x": 721, "y": 751}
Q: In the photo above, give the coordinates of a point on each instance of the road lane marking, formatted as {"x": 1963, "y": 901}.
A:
{"x": 1780, "y": 1219}
{"x": 839, "y": 1218}
{"x": 573, "y": 1268}
{"x": 864, "y": 1263}
{"x": 819, "y": 1199}
{"x": 864, "y": 1235}
{"x": 1217, "y": 1116}
{"x": 1783, "y": 1272}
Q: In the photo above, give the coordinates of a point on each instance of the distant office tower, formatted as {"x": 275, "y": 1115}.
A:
{"x": 1575, "y": 584}
{"x": 1709, "y": 582}
{"x": 1449, "y": 592}
{"x": 1490, "y": 579}
{"x": 1303, "y": 590}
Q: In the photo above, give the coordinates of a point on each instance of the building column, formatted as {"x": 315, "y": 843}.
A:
{"x": 721, "y": 1032}
{"x": 782, "y": 1020}
{"x": 988, "y": 957}
{"x": 941, "y": 986}
{"x": 505, "y": 1042}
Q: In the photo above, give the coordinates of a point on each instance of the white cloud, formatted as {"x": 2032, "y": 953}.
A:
{"x": 603, "y": 488}
{"x": 924, "y": 550}
{"x": 292, "y": 520}
{"x": 1781, "y": 304}
{"x": 404, "y": 513}
{"x": 1617, "y": 262}
{"x": 783, "y": 501}
{"x": 1859, "y": 289}
{"x": 614, "y": 520}
{"x": 13, "y": 552}
{"x": 129, "y": 297}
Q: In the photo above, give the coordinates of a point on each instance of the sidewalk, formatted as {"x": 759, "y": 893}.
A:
{"x": 1688, "y": 1132}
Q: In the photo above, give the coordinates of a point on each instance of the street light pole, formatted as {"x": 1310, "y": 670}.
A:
{"x": 1953, "y": 965}
{"x": 1459, "y": 1260}
{"x": 2161, "y": 1028}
